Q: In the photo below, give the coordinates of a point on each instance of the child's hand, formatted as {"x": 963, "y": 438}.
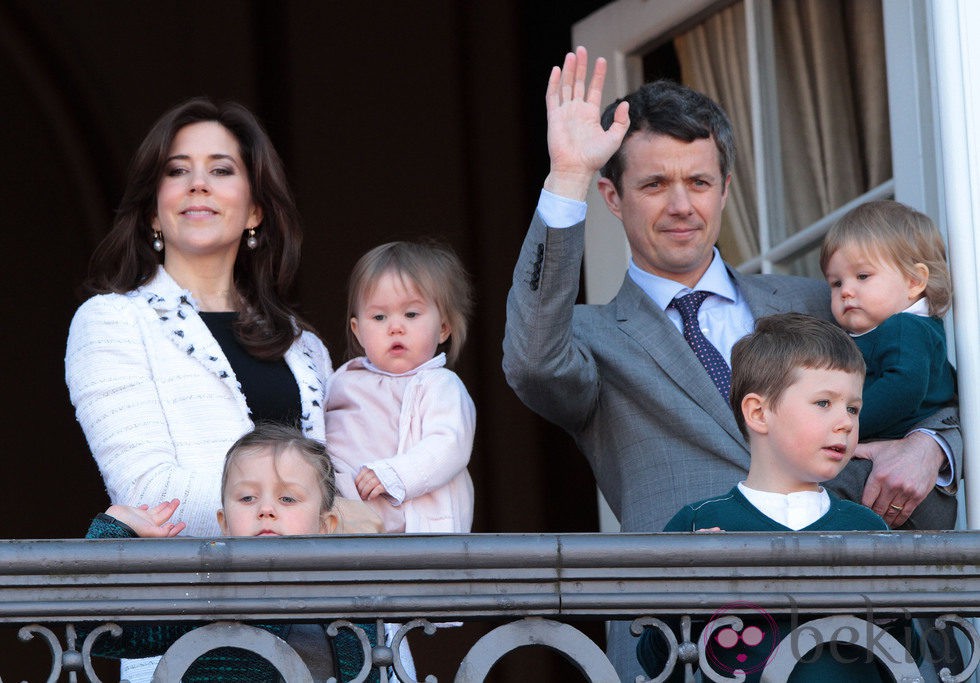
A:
{"x": 149, "y": 522}
{"x": 368, "y": 485}
{"x": 707, "y": 531}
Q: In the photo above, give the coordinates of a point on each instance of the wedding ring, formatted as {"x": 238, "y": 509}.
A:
{"x": 896, "y": 508}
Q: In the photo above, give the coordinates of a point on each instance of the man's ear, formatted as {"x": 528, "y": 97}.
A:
{"x": 754, "y": 413}
{"x": 328, "y": 522}
{"x": 222, "y": 522}
{"x": 917, "y": 285}
{"x": 609, "y": 193}
{"x": 724, "y": 193}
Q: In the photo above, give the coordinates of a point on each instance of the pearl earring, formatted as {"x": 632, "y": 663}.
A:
{"x": 252, "y": 240}
{"x": 157, "y": 240}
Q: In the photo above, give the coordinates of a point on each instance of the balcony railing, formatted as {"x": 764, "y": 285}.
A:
{"x": 541, "y": 581}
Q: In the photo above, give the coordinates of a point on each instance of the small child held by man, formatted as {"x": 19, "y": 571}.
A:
{"x": 889, "y": 288}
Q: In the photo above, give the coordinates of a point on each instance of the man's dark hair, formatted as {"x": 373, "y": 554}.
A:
{"x": 668, "y": 108}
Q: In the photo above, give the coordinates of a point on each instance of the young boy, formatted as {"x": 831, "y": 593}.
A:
{"x": 796, "y": 396}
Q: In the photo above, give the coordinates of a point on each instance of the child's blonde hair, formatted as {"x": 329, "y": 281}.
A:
{"x": 278, "y": 438}
{"x": 899, "y": 234}
{"x": 433, "y": 269}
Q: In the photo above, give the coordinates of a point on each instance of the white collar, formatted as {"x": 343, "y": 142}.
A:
{"x": 163, "y": 293}
{"x": 437, "y": 362}
{"x": 662, "y": 291}
{"x": 794, "y": 510}
{"x": 919, "y": 307}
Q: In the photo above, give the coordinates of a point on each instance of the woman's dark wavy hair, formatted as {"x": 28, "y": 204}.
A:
{"x": 263, "y": 276}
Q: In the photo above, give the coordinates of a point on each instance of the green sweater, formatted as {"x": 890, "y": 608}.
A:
{"x": 733, "y": 512}
{"x": 222, "y": 665}
{"x": 908, "y": 376}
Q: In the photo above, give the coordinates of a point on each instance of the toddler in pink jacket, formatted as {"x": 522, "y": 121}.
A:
{"x": 399, "y": 423}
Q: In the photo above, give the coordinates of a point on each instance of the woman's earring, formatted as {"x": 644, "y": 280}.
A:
{"x": 252, "y": 240}
{"x": 157, "y": 240}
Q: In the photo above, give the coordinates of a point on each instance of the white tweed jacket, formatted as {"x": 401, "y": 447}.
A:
{"x": 159, "y": 402}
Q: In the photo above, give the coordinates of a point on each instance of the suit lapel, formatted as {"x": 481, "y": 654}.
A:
{"x": 645, "y": 323}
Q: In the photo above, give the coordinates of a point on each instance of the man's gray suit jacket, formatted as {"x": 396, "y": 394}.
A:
{"x": 623, "y": 382}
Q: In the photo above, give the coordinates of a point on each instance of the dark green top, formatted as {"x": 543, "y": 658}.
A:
{"x": 733, "y": 512}
{"x": 222, "y": 665}
{"x": 908, "y": 377}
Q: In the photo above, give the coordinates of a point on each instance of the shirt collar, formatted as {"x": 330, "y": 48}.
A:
{"x": 918, "y": 307}
{"x": 794, "y": 510}
{"x": 437, "y": 362}
{"x": 662, "y": 291}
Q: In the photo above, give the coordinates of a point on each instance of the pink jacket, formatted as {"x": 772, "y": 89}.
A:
{"x": 422, "y": 462}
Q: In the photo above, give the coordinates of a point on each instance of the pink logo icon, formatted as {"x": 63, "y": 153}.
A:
{"x": 748, "y": 650}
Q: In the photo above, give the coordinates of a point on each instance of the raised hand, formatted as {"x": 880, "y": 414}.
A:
{"x": 149, "y": 522}
{"x": 577, "y": 143}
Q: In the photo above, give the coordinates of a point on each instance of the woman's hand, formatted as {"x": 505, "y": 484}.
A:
{"x": 149, "y": 522}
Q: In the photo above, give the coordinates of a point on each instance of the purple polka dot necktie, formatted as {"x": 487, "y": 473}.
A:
{"x": 710, "y": 357}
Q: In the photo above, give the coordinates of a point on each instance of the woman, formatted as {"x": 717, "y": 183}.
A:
{"x": 188, "y": 339}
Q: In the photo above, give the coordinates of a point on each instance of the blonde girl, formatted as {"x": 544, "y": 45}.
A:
{"x": 886, "y": 266}
{"x": 276, "y": 482}
{"x": 399, "y": 424}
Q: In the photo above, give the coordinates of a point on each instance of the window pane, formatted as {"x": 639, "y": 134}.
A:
{"x": 834, "y": 144}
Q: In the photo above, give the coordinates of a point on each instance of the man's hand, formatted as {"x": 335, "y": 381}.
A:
{"x": 576, "y": 141}
{"x": 903, "y": 472}
{"x": 149, "y": 522}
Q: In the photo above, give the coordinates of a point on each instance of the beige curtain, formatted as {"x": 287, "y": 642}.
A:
{"x": 833, "y": 109}
{"x": 714, "y": 59}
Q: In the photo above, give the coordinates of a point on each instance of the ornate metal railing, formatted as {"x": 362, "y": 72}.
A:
{"x": 850, "y": 580}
